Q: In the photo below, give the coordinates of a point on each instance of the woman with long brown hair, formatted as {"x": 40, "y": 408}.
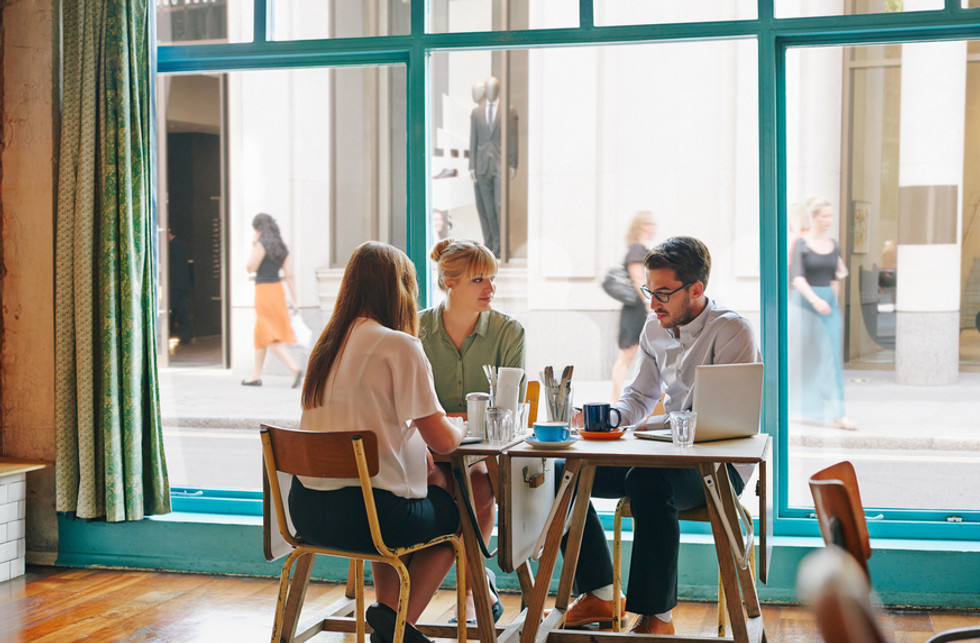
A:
{"x": 368, "y": 370}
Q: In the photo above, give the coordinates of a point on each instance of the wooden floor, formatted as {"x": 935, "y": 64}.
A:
{"x": 60, "y": 605}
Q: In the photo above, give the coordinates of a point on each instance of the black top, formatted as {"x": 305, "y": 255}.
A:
{"x": 817, "y": 269}
{"x": 268, "y": 272}
{"x": 636, "y": 253}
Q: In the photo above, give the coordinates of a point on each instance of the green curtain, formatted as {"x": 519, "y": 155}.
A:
{"x": 110, "y": 459}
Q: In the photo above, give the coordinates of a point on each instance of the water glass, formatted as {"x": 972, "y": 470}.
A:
{"x": 520, "y": 420}
{"x": 500, "y": 425}
{"x": 682, "y": 427}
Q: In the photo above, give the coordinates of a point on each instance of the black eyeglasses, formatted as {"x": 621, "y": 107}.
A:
{"x": 663, "y": 297}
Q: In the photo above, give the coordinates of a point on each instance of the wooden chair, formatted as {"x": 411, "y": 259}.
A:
{"x": 336, "y": 454}
{"x": 838, "y": 588}
{"x": 699, "y": 515}
{"x": 531, "y": 397}
{"x": 840, "y": 512}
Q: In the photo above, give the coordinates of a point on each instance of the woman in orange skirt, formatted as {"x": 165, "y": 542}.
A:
{"x": 273, "y": 329}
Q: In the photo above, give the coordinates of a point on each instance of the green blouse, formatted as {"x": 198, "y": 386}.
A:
{"x": 498, "y": 339}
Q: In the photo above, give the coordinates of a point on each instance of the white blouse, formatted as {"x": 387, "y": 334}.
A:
{"x": 380, "y": 381}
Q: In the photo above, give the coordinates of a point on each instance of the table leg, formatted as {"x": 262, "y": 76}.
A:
{"x": 546, "y": 564}
{"x": 573, "y": 546}
{"x": 750, "y": 597}
{"x": 474, "y": 557}
{"x": 717, "y": 489}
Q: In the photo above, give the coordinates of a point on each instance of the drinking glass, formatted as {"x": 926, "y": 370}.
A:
{"x": 682, "y": 426}
{"x": 500, "y": 425}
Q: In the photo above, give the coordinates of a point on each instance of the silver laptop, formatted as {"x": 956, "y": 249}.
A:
{"x": 727, "y": 399}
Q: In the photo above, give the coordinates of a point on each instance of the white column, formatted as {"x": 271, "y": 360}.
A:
{"x": 933, "y": 96}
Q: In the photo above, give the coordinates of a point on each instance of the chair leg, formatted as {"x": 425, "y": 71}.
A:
{"x": 722, "y": 612}
{"x": 351, "y": 589}
{"x": 403, "y": 593}
{"x": 460, "y": 591}
{"x": 357, "y": 566}
{"x": 291, "y": 595}
{"x": 617, "y": 562}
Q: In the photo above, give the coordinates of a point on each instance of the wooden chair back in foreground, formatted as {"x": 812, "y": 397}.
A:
{"x": 840, "y": 512}
{"x": 833, "y": 582}
{"x": 531, "y": 397}
{"x": 623, "y": 510}
{"x": 336, "y": 454}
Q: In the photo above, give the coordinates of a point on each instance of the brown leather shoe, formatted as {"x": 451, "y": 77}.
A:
{"x": 651, "y": 625}
{"x": 587, "y": 608}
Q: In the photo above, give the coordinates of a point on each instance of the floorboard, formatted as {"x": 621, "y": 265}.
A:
{"x": 56, "y": 605}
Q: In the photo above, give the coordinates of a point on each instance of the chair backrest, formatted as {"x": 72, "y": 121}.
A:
{"x": 318, "y": 454}
{"x": 839, "y": 510}
{"x": 531, "y": 397}
{"x": 839, "y": 592}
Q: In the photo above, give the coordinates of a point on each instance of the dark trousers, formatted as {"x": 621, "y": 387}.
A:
{"x": 178, "y": 305}
{"x": 656, "y": 495}
{"x": 487, "y": 190}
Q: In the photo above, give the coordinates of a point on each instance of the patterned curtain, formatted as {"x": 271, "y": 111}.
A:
{"x": 110, "y": 459}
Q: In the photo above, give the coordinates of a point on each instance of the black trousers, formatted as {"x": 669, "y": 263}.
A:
{"x": 656, "y": 495}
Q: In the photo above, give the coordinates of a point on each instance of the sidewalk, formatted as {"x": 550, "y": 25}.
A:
{"x": 888, "y": 416}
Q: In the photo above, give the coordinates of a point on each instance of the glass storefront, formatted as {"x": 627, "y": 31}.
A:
{"x": 884, "y": 264}
{"x": 583, "y": 138}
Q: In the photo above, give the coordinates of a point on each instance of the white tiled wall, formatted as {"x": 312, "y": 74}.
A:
{"x": 13, "y": 495}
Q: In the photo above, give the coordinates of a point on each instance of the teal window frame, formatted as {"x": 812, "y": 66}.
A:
{"x": 773, "y": 36}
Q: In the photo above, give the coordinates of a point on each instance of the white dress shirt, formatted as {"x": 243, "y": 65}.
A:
{"x": 667, "y": 363}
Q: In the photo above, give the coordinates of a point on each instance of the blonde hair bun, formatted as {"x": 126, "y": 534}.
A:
{"x": 437, "y": 250}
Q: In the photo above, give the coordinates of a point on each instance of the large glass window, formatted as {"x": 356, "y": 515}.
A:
{"x": 884, "y": 304}
{"x": 796, "y": 8}
{"x": 203, "y": 21}
{"x": 308, "y": 19}
{"x": 450, "y": 16}
{"x": 323, "y": 152}
{"x": 631, "y": 12}
{"x": 644, "y": 111}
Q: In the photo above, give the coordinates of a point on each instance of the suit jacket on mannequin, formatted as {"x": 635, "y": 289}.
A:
{"x": 485, "y": 140}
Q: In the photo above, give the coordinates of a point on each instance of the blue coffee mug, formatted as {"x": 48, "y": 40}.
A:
{"x": 596, "y": 417}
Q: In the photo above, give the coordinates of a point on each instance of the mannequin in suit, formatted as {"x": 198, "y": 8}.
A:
{"x": 485, "y": 158}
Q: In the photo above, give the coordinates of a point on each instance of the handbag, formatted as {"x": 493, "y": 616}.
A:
{"x": 300, "y": 329}
{"x": 619, "y": 286}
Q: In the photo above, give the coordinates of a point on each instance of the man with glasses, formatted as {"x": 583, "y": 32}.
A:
{"x": 684, "y": 330}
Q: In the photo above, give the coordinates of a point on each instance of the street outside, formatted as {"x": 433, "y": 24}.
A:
{"x": 915, "y": 447}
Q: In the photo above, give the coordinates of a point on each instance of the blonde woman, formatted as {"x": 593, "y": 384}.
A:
{"x": 641, "y": 233}
{"x": 368, "y": 370}
{"x": 816, "y": 350}
{"x": 459, "y": 336}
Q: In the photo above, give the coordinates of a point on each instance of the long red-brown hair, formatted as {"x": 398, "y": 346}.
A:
{"x": 379, "y": 283}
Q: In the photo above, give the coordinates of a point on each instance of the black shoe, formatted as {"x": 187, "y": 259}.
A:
{"x": 299, "y": 378}
{"x": 498, "y": 607}
{"x": 257, "y": 382}
{"x": 382, "y": 619}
